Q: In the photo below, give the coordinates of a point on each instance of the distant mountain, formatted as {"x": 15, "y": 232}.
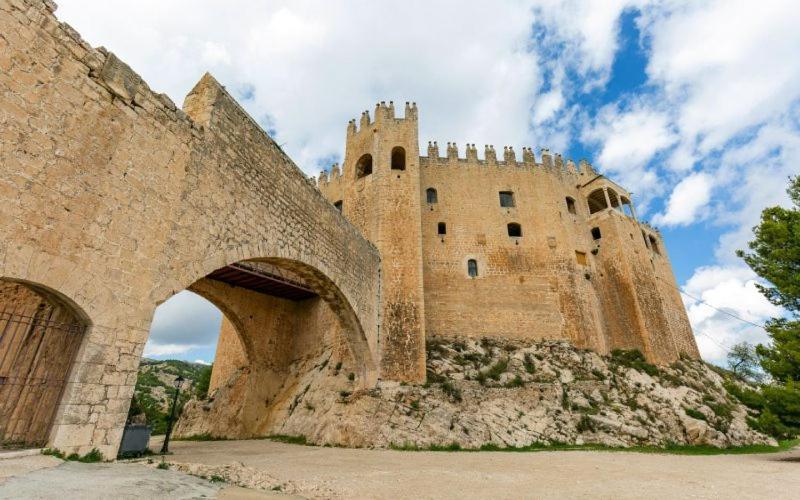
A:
{"x": 155, "y": 388}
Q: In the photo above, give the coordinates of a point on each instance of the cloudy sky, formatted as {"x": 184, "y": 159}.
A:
{"x": 692, "y": 105}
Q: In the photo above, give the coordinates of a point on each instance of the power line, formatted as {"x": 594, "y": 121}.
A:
{"x": 713, "y": 307}
{"x": 709, "y": 337}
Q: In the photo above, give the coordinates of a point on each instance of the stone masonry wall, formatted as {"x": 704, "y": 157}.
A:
{"x": 114, "y": 197}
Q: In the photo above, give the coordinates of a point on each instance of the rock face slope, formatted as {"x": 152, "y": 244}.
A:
{"x": 501, "y": 393}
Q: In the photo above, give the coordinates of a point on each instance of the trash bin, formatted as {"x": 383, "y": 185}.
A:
{"x": 135, "y": 439}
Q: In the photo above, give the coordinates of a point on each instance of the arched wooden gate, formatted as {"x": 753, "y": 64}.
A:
{"x": 36, "y": 353}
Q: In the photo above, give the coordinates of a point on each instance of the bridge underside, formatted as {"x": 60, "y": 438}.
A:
{"x": 264, "y": 278}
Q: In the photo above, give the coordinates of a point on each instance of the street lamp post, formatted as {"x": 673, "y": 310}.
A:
{"x": 178, "y": 382}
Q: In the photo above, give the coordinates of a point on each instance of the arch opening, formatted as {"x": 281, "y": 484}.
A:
{"x": 364, "y": 166}
{"x": 597, "y": 201}
{"x": 41, "y": 332}
{"x": 280, "y": 322}
{"x": 398, "y": 158}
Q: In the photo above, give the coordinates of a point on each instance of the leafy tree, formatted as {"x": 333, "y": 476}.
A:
{"x": 203, "y": 381}
{"x": 743, "y": 362}
{"x": 775, "y": 257}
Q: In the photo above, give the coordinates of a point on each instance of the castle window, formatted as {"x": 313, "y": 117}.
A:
{"x": 595, "y": 233}
{"x": 398, "y": 158}
{"x": 571, "y": 205}
{"x": 580, "y": 258}
{"x": 612, "y": 196}
{"x": 472, "y": 268}
{"x": 514, "y": 230}
{"x": 506, "y": 199}
{"x": 654, "y": 244}
{"x": 627, "y": 206}
{"x": 597, "y": 201}
{"x": 338, "y": 205}
{"x": 364, "y": 166}
{"x": 430, "y": 195}
{"x": 441, "y": 229}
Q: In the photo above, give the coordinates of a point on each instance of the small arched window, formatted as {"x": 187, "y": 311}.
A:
{"x": 472, "y": 268}
{"x": 595, "y": 233}
{"x": 338, "y": 205}
{"x": 514, "y": 230}
{"x": 431, "y": 196}
{"x": 570, "y": 205}
{"x": 398, "y": 158}
{"x": 441, "y": 229}
{"x": 364, "y": 166}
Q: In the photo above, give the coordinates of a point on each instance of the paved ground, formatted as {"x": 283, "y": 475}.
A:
{"x": 350, "y": 473}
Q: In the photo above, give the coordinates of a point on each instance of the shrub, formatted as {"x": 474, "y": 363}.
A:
{"x": 530, "y": 367}
{"x": 497, "y": 369}
{"x": 454, "y": 393}
{"x": 287, "y": 438}
{"x": 748, "y": 397}
{"x": 431, "y": 377}
{"x": 598, "y": 374}
{"x": 351, "y": 376}
{"x": 585, "y": 424}
{"x": 163, "y": 465}
{"x": 695, "y": 414}
{"x": 633, "y": 359}
{"x": 515, "y": 382}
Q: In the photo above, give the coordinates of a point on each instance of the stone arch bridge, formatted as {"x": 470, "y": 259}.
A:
{"x": 112, "y": 200}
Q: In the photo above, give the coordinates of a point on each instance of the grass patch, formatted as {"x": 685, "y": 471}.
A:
{"x": 633, "y": 359}
{"x": 695, "y": 414}
{"x": 669, "y": 449}
{"x": 454, "y": 393}
{"x": 92, "y": 456}
{"x": 286, "y": 438}
{"x": 163, "y": 466}
{"x": 497, "y": 369}
{"x": 205, "y": 436}
{"x": 515, "y": 382}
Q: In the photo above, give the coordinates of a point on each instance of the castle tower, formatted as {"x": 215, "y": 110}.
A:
{"x": 379, "y": 190}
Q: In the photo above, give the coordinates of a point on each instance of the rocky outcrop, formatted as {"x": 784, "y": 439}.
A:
{"x": 504, "y": 394}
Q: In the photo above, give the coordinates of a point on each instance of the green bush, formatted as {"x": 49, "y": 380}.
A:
{"x": 497, "y": 369}
{"x": 695, "y": 414}
{"x": 633, "y": 359}
{"x": 454, "y": 393}
{"x": 515, "y": 382}
{"x": 203, "y": 381}
{"x": 585, "y": 424}
{"x": 530, "y": 366}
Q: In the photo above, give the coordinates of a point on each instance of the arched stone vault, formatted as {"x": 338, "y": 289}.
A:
{"x": 116, "y": 199}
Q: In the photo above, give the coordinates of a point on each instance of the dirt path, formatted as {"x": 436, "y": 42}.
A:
{"x": 575, "y": 474}
{"x": 347, "y": 473}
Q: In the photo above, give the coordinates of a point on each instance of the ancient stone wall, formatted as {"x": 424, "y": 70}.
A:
{"x": 117, "y": 199}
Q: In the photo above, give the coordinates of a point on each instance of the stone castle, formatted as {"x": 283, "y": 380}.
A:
{"x": 501, "y": 247}
{"x": 113, "y": 199}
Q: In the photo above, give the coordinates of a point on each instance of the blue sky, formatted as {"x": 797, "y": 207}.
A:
{"x": 692, "y": 105}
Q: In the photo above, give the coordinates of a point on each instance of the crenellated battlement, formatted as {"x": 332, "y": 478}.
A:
{"x": 383, "y": 113}
{"x": 549, "y": 160}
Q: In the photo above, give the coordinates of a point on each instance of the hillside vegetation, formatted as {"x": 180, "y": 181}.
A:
{"x": 155, "y": 386}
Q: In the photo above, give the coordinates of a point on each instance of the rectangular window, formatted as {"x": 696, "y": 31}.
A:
{"x": 506, "y": 199}
{"x": 441, "y": 228}
{"x": 580, "y": 257}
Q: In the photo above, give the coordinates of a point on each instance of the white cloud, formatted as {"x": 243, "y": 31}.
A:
{"x": 689, "y": 197}
{"x": 154, "y": 349}
{"x": 731, "y": 289}
{"x": 202, "y": 362}
{"x": 186, "y": 321}
{"x": 628, "y": 139}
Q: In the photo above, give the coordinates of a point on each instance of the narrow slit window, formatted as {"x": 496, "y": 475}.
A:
{"x": 472, "y": 268}
{"x": 654, "y": 244}
{"x": 338, "y": 205}
{"x": 431, "y": 196}
{"x": 514, "y": 230}
{"x": 571, "y": 205}
{"x": 441, "y": 229}
{"x": 506, "y": 199}
{"x": 595, "y": 233}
